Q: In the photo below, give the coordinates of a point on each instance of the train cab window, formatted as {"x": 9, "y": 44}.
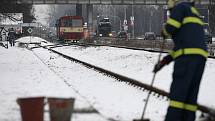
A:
{"x": 71, "y": 23}
{"x": 63, "y": 23}
{"x": 66, "y": 23}
{"x": 105, "y": 20}
{"x": 77, "y": 23}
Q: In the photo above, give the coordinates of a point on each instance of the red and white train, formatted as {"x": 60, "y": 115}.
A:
{"x": 70, "y": 28}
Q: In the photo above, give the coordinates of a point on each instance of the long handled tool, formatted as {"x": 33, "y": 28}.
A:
{"x": 152, "y": 82}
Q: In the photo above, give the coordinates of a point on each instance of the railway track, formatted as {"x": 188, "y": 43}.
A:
{"x": 157, "y": 50}
{"x": 121, "y": 78}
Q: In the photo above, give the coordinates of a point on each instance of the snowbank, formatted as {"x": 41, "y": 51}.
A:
{"x": 31, "y": 39}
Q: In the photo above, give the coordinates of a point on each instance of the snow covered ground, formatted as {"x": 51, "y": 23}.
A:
{"x": 27, "y": 73}
{"x": 138, "y": 65}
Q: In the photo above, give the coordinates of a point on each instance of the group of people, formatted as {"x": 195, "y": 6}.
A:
{"x": 8, "y": 35}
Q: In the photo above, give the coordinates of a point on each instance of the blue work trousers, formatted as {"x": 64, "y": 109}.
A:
{"x": 188, "y": 70}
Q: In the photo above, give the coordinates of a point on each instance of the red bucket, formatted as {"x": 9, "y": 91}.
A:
{"x": 31, "y": 108}
{"x": 61, "y": 108}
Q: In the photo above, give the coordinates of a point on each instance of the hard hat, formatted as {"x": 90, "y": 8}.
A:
{"x": 172, "y": 3}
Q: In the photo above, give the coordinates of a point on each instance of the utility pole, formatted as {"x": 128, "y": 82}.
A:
{"x": 150, "y": 25}
{"x": 125, "y": 12}
{"x": 125, "y": 20}
{"x": 132, "y": 21}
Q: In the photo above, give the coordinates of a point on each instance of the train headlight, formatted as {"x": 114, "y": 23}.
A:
{"x": 110, "y": 34}
{"x": 100, "y": 35}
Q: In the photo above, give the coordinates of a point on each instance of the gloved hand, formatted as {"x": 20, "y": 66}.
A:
{"x": 166, "y": 60}
{"x": 159, "y": 66}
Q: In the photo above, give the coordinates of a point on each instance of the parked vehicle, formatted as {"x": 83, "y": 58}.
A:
{"x": 150, "y": 36}
{"x": 141, "y": 37}
{"x": 122, "y": 34}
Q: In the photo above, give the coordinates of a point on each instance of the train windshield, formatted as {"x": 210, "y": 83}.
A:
{"x": 104, "y": 25}
{"x": 71, "y": 23}
{"x": 76, "y": 22}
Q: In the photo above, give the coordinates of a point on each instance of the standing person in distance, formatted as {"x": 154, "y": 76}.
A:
{"x": 11, "y": 37}
{"x": 189, "y": 53}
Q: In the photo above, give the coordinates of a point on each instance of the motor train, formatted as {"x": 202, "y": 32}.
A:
{"x": 70, "y": 28}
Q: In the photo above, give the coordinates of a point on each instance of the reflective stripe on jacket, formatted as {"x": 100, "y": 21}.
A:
{"x": 189, "y": 51}
{"x": 186, "y": 28}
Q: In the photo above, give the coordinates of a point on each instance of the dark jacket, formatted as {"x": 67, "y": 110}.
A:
{"x": 11, "y": 35}
{"x": 186, "y": 28}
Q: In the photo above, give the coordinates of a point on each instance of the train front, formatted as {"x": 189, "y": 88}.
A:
{"x": 70, "y": 28}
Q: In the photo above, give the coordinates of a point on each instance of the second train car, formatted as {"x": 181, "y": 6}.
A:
{"x": 104, "y": 28}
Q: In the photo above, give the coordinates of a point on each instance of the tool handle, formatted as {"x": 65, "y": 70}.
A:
{"x": 152, "y": 82}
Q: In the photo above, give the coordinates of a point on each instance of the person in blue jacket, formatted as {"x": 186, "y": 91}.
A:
{"x": 185, "y": 27}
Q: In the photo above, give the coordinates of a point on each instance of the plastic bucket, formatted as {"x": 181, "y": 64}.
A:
{"x": 61, "y": 108}
{"x": 31, "y": 108}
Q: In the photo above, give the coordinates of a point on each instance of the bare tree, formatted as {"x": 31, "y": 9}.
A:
{"x": 8, "y": 8}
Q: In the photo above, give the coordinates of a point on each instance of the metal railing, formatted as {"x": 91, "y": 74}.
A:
{"x": 113, "y": 2}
